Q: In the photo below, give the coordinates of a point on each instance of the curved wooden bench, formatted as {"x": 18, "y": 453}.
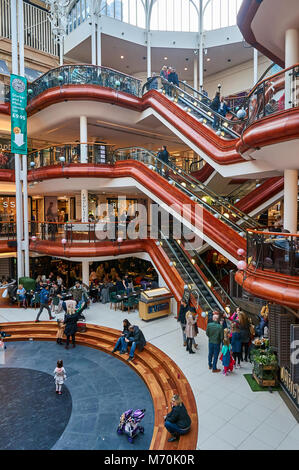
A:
{"x": 159, "y": 372}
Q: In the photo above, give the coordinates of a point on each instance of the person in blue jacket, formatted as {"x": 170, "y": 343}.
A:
{"x": 236, "y": 343}
{"x": 44, "y": 302}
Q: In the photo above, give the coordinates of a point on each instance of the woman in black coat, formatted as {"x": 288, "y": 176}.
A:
{"x": 245, "y": 334}
{"x": 70, "y": 320}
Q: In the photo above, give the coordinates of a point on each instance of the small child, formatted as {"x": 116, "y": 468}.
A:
{"x": 60, "y": 331}
{"x": 59, "y": 376}
{"x": 227, "y": 360}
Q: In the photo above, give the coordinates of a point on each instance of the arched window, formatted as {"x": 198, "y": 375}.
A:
{"x": 220, "y": 13}
{"x": 174, "y": 15}
{"x": 129, "y": 11}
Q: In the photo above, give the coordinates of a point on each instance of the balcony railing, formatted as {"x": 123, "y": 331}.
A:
{"x": 70, "y": 153}
{"x": 84, "y": 75}
{"x": 274, "y": 94}
{"x": 273, "y": 251}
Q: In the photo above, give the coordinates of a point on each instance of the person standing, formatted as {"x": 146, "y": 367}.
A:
{"x": 182, "y": 319}
{"x": 70, "y": 330}
{"x": 245, "y": 335}
{"x": 44, "y": 303}
{"x": 59, "y": 376}
{"x": 236, "y": 344}
{"x": 177, "y": 422}
{"x": 215, "y": 106}
{"x": 215, "y": 334}
{"x": 190, "y": 329}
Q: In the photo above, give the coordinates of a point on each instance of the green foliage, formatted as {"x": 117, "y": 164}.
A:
{"x": 264, "y": 357}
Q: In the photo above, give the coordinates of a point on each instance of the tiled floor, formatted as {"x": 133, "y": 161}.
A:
{"x": 231, "y": 416}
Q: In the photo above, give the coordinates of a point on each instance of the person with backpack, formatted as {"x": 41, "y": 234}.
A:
{"x": 44, "y": 303}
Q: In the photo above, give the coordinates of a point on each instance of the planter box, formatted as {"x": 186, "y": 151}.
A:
{"x": 265, "y": 375}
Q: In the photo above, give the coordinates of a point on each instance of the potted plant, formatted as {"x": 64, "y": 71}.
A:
{"x": 265, "y": 367}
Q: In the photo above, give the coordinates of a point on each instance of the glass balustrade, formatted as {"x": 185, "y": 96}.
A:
{"x": 274, "y": 94}
{"x": 273, "y": 251}
{"x": 198, "y": 192}
{"x": 198, "y": 105}
{"x": 84, "y": 75}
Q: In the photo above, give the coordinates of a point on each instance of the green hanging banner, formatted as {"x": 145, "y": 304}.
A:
{"x": 18, "y": 114}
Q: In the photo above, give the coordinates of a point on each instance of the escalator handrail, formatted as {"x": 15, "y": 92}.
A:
{"x": 204, "y": 105}
{"x": 184, "y": 269}
{"x": 211, "y": 275}
{"x": 205, "y": 97}
{"x": 193, "y": 181}
{"x": 216, "y": 300}
{"x": 199, "y": 102}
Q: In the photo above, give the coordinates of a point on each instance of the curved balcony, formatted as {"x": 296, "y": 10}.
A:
{"x": 84, "y": 75}
{"x": 272, "y": 271}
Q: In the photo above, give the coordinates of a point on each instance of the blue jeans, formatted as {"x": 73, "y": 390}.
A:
{"x": 172, "y": 428}
{"x": 133, "y": 347}
{"x": 214, "y": 350}
{"x": 120, "y": 344}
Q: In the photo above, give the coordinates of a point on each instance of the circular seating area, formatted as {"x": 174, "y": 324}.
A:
{"x": 161, "y": 375}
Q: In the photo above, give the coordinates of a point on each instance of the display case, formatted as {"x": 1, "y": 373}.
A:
{"x": 155, "y": 303}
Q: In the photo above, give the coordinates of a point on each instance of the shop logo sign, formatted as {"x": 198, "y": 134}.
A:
{"x": 18, "y": 103}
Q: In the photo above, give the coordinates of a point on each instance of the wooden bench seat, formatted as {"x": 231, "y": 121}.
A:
{"x": 159, "y": 372}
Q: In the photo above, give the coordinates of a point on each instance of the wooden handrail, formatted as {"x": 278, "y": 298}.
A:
{"x": 273, "y": 233}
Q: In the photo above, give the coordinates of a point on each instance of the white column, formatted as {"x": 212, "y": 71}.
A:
{"x": 19, "y": 215}
{"x": 99, "y": 44}
{"x": 195, "y": 70}
{"x": 291, "y": 58}
{"x": 83, "y": 139}
{"x": 85, "y": 272}
{"x": 148, "y": 55}
{"x": 290, "y": 200}
{"x": 255, "y": 66}
{"x": 61, "y": 52}
{"x": 200, "y": 53}
{"x": 84, "y": 205}
{"x": 93, "y": 42}
{"x": 290, "y": 176}
{"x": 291, "y": 47}
{"x": 25, "y": 235}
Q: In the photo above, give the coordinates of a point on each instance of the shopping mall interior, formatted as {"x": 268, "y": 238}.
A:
{"x": 149, "y": 200}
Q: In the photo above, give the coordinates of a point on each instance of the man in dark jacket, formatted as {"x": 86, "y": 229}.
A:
{"x": 137, "y": 339}
{"x": 177, "y": 422}
{"x": 182, "y": 318}
{"x": 215, "y": 106}
{"x": 215, "y": 334}
{"x": 44, "y": 303}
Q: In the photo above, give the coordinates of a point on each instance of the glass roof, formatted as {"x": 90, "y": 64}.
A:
{"x": 160, "y": 15}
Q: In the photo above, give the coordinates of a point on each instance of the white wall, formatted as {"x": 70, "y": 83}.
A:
{"x": 235, "y": 79}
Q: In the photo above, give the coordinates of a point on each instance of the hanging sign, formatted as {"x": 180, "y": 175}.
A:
{"x": 18, "y": 103}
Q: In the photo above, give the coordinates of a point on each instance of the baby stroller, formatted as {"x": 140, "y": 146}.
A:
{"x": 129, "y": 424}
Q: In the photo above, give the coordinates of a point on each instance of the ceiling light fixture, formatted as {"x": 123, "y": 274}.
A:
{"x": 165, "y": 58}
{"x": 122, "y": 57}
{"x": 185, "y": 68}
{"x": 208, "y": 59}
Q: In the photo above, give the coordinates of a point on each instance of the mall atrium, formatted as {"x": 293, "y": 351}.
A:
{"x": 149, "y": 157}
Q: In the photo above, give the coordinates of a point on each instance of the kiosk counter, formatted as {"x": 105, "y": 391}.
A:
{"x": 155, "y": 303}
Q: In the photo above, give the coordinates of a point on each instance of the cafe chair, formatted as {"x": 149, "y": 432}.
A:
{"x": 113, "y": 300}
{"x": 130, "y": 304}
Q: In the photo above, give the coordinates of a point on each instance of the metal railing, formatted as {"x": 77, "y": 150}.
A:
{"x": 198, "y": 192}
{"x": 198, "y": 105}
{"x": 70, "y": 153}
{"x": 214, "y": 283}
{"x": 274, "y": 251}
{"x": 274, "y": 94}
{"x": 37, "y": 27}
{"x": 84, "y": 75}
